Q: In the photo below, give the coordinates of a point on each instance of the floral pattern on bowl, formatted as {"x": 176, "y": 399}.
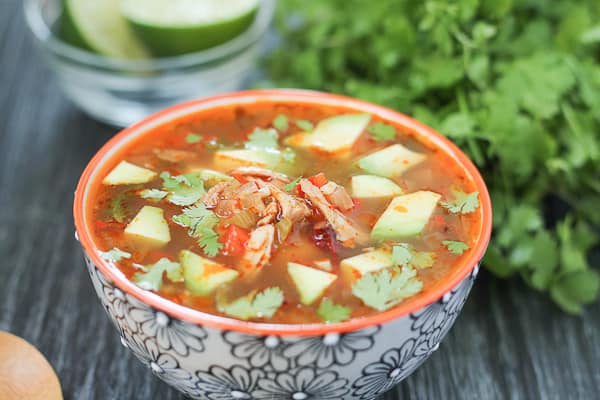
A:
{"x": 208, "y": 363}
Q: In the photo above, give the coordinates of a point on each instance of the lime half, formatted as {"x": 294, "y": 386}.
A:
{"x": 99, "y": 26}
{"x": 172, "y": 27}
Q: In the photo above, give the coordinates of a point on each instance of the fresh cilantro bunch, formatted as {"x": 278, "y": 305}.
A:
{"x": 515, "y": 83}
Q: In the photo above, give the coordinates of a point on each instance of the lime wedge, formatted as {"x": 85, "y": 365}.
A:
{"x": 98, "y": 25}
{"x": 173, "y": 27}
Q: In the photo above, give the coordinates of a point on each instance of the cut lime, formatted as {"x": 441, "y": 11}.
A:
{"x": 172, "y": 27}
{"x": 98, "y": 25}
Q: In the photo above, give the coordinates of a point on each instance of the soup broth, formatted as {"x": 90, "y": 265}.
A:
{"x": 284, "y": 213}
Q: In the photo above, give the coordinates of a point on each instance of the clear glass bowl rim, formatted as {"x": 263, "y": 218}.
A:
{"x": 43, "y": 33}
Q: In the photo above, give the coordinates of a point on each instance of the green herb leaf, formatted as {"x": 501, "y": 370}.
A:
{"x": 152, "y": 277}
{"x": 455, "y": 247}
{"x": 305, "y": 125}
{"x": 201, "y": 222}
{"x": 387, "y": 288}
{"x": 184, "y": 189}
{"x": 192, "y": 138}
{"x": 332, "y": 313}
{"x": 381, "y": 131}
{"x": 475, "y": 71}
{"x": 462, "y": 203}
{"x": 290, "y": 186}
{"x": 153, "y": 194}
{"x": 263, "y": 139}
{"x": 116, "y": 209}
{"x": 114, "y": 255}
{"x": 281, "y": 123}
{"x": 404, "y": 255}
{"x": 209, "y": 242}
{"x": 263, "y": 304}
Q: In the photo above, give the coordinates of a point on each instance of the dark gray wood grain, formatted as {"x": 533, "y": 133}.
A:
{"x": 509, "y": 343}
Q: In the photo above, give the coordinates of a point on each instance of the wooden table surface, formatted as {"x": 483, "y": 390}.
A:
{"x": 508, "y": 343}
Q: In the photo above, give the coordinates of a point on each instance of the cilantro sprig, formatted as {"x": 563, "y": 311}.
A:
{"x": 184, "y": 190}
{"x": 255, "y": 304}
{"x": 475, "y": 71}
{"x": 455, "y": 246}
{"x": 331, "y": 313}
{"x": 201, "y": 223}
{"x": 385, "y": 289}
{"x": 381, "y": 131}
{"x": 461, "y": 203}
{"x": 151, "y": 277}
{"x": 405, "y": 255}
{"x": 114, "y": 255}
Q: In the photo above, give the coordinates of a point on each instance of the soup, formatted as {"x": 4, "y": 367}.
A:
{"x": 284, "y": 213}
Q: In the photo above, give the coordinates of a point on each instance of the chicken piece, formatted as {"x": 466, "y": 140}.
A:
{"x": 344, "y": 231}
{"x": 269, "y": 214}
{"x": 337, "y": 195}
{"x": 262, "y": 173}
{"x": 212, "y": 197}
{"x": 292, "y": 208}
{"x": 258, "y": 247}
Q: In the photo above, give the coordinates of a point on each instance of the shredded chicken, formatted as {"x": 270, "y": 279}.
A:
{"x": 258, "y": 248}
{"x": 262, "y": 173}
{"x": 337, "y": 195}
{"x": 212, "y": 197}
{"x": 344, "y": 231}
{"x": 291, "y": 207}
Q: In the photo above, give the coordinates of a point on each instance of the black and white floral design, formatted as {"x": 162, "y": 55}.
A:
{"x": 441, "y": 314}
{"x": 394, "y": 365}
{"x": 170, "y": 333}
{"x": 457, "y": 297}
{"x": 236, "y": 383}
{"x": 258, "y": 351}
{"x": 305, "y": 384}
{"x": 163, "y": 365}
{"x": 332, "y": 348}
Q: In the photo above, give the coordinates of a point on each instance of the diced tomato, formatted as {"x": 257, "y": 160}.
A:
{"x": 235, "y": 239}
{"x": 318, "y": 180}
{"x": 240, "y": 178}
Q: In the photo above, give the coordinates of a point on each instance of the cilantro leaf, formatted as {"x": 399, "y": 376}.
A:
{"x": 387, "y": 288}
{"x": 263, "y": 139}
{"x": 381, "y": 131}
{"x": 152, "y": 276}
{"x": 209, "y": 242}
{"x": 455, "y": 247}
{"x": 281, "y": 123}
{"x": 192, "y": 138}
{"x": 305, "y": 125}
{"x": 404, "y": 255}
{"x": 290, "y": 186}
{"x": 263, "y": 304}
{"x": 114, "y": 255}
{"x": 184, "y": 189}
{"x": 201, "y": 222}
{"x": 116, "y": 209}
{"x": 153, "y": 194}
{"x": 332, "y": 313}
{"x": 463, "y": 203}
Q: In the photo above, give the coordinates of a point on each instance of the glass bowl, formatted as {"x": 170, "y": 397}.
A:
{"x": 121, "y": 92}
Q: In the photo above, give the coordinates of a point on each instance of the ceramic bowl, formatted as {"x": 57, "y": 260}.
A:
{"x": 212, "y": 357}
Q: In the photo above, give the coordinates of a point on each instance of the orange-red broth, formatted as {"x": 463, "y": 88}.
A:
{"x": 231, "y": 126}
